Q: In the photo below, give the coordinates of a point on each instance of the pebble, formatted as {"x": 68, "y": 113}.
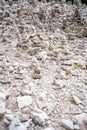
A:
{"x": 11, "y": 69}
{"x": 24, "y": 117}
{"x": 1, "y": 52}
{"x": 42, "y": 104}
{"x": 26, "y": 92}
{"x": 42, "y": 55}
{"x": 24, "y": 101}
{"x": 5, "y": 81}
{"x": 36, "y": 76}
{"x": 59, "y": 83}
{"x": 37, "y": 71}
{"x": 36, "y": 40}
{"x": 19, "y": 77}
{"x": 68, "y": 124}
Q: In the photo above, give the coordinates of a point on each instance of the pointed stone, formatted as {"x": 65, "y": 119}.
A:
{"x": 68, "y": 124}
{"x": 77, "y": 100}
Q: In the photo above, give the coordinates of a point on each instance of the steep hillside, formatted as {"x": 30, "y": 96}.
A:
{"x": 43, "y": 66}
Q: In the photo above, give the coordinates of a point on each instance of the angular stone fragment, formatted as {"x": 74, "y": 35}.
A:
{"x": 42, "y": 55}
{"x": 9, "y": 117}
{"x": 81, "y": 120}
{"x": 77, "y": 100}
{"x": 36, "y": 76}
{"x": 37, "y": 71}
{"x": 1, "y": 52}
{"x": 59, "y": 83}
{"x": 76, "y": 127}
{"x": 24, "y": 101}
{"x": 11, "y": 69}
{"x": 42, "y": 104}
{"x": 36, "y": 40}
{"x": 68, "y": 124}
{"x": 24, "y": 117}
{"x": 39, "y": 117}
{"x": 17, "y": 126}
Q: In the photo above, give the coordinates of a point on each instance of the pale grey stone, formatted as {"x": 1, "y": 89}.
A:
{"x": 27, "y": 123}
{"x": 24, "y": 117}
{"x": 76, "y": 127}
{"x": 39, "y": 117}
{"x": 19, "y": 127}
{"x": 67, "y": 124}
{"x": 16, "y": 125}
{"x": 9, "y": 117}
{"x": 24, "y": 101}
{"x": 26, "y": 92}
{"x": 49, "y": 128}
{"x": 81, "y": 120}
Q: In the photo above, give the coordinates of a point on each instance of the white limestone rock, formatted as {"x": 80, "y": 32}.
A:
{"x": 9, "y": 117}
{"x": 24, "y": 101}
{"x": 24, "y": 117}
{"x": 68, "y": 124}
{"x": 49, "y": 128}
{"x": 76, "y": 127}
{"x": 81, "y": 120}
{"x": 39, "y": 117}
{"x": 77, "y": 100}
{"x": 18, "y": 126}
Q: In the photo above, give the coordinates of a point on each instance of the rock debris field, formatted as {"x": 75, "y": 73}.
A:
{"x": 43, "y": 66}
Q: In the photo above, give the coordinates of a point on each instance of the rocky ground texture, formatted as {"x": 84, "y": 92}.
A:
{"x": 43, "y": 66}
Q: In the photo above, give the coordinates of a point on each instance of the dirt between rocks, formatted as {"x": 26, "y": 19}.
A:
{"x": 43, "y": 66}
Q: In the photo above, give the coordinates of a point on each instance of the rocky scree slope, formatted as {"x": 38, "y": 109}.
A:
{"x": 43, "y": 66}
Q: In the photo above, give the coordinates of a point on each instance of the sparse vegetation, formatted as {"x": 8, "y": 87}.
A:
{"x": 78, "y": 65}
